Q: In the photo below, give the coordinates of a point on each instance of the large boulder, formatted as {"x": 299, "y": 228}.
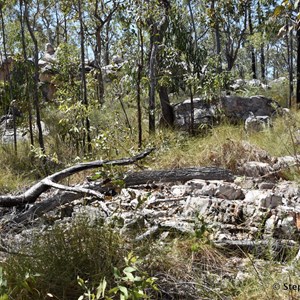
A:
{"x": 238, "y": 108}
{"x": 235, "y": 108}
{"x": 205, "y": 114}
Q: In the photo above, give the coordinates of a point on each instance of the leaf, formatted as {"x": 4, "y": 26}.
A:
{"x": 113, "y": 290}
{"x": 278, "y": 10}
{"x": 129, "y": 270}
{"x": 117, "y": 273}
{"x": 128, "y": 277}
{"x": 101, "y": 289}
{"x": 124, "y": 291}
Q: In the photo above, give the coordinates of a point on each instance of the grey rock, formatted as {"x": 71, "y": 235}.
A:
{"x": 177, "y": 225}
{"x": 271, "y": 201}
{"x": 181, "y": 190}
{"x": 196, "y": 184}
{"x": 238, "y": 108}
{"x": 257, "y": 123}
{"x": 255, "y": 169}
{"x": 204, "y": 114}
{"x": 266, "y": 185}
{"x": 196, "y": 206}
{"x": 229, "y": 191}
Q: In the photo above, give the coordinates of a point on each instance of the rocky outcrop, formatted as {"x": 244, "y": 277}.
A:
{"x": 249, "y": 215}
{"x": 248, "y": 211}
{"x": 234, "y": 108}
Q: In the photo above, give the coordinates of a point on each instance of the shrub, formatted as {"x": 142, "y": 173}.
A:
{"x": 57, "y": 257}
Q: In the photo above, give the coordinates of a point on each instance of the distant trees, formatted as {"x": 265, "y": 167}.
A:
{"x": 168, "y": 46}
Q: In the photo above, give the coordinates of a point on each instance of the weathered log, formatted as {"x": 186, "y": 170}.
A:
{"x": 36, "y": 190}
{"x": 38, "y": 209}
{"x": 180, "y": 174}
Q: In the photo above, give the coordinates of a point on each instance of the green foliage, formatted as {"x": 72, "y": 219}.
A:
{"x": 62, "y": 254}
{"x": 131, "y": 283}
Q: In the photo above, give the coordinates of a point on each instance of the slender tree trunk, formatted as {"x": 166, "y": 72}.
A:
{"x": 193, "y": 22}
{"x": 27, "y": 92}
{"x": 192, "y": 125}
{"x": 36, "y": 79}
{"x": 139, "y": 79}
{"x": 167, "y": 118}
{"x": 152, "y": 85}
{"x": 106, "y": 48}
{"x": 57, "y": 25}
{"x": 298, "y": 63}
{"x": 253, "y": 58}
{"x": 262, "y": 62}
{"x": 83, "y": 80}
{"x": 218, "y": 40}
{"x": 12, "y": 104}
{"x": 218, "y": 48}
{"x": 29, "y": 105}
{"x": 99, "y": 76}
{"x": 65, "y": 29}
{"x": 262, "y": 46}
{"x": 289, "y": 43}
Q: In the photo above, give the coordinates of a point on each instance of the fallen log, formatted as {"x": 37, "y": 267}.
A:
{"x": 180, "y": 174}
{"x": 42, "y": 186}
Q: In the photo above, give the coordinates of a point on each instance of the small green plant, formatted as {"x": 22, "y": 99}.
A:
{"x": 131, "y": 283}
{"x": 3, "y": 286}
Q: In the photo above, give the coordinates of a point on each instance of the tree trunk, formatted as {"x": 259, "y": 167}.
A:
{"x": 138, "y": 87}
{"x": 263, "y": 63}
{"x": 217, "y": 39}
{"x": 152, "y": 82}
{"x": 99, "y": 76}
{"x": 253, "y": 58}
{"x": 36, "y": 79}
{"x": 167, "y": 118}
{"x": 289, "y": 41}
{"x": 181, "y": 174}
{"x": 29, "y": 107}
{"x": 9, "y": 79}
{"x": 218, "y": 48}
{"x": 83, "y": 80}
{"x": 298, "y": 66}
{"x": 262, "y": 46}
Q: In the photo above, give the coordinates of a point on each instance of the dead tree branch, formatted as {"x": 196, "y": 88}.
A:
{"x": 42, "y": 186}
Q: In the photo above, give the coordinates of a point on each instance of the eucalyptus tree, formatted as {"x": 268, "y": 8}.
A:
{"x": 101, "y": 13}
{"x": 290, "y": 10}
{"x": 31, "y": 24}
{"x": 13, "y": 108}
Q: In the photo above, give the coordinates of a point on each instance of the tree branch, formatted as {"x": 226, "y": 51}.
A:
{"x": 36, "y": 190}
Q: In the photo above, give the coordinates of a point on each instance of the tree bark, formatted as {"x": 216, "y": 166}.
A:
{"x": 12, "y": 102}
{"x": 217, "y": 35}
{"x": 298, "y": 66}
{"x": 152, "y": 81}
{"x": 167, "y": 118}
{"x": 182, "y": 174}
{"x": 253, "y": 58}
{"x": 138, "y": 87}
{"x": 26, "y": 73}
{"x": 83, "y": 81}
{"x": 36, "y": 79}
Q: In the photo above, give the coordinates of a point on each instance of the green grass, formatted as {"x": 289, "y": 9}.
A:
{"x": 54, "y": 259}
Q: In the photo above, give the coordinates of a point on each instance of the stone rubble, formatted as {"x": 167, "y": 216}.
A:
{"x": 248, "y": 215}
